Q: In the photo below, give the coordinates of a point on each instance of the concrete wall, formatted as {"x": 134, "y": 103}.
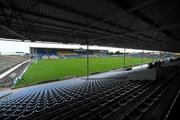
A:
{"x": 171, "y": 64}
{"x": 146, "y": 74}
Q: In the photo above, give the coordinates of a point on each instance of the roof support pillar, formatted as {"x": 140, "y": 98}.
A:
{"x": 87, "y": 62}
{"x": 142, "y": 58}
{"x": 124, "y": 59}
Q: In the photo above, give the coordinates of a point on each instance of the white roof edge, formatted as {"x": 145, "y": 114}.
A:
{"x": 60, "y": 47}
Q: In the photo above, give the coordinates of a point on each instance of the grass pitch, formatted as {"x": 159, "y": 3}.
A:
{"x": 45, "y": 70}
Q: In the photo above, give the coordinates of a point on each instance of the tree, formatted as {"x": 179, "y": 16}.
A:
{"x": 110, "y": 53}
{"x": 118, "y": 53}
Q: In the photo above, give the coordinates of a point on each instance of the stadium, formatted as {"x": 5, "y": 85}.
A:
{"x": 89, "y": 59}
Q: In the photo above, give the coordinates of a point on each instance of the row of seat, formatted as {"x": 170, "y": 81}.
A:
{"x": 81, "y": 99}
{"x": 34, "y": 100}
{"x": 147, "y": 103}
{"x": 157, "y": 103}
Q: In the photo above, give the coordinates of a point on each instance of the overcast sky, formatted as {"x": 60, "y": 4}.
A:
{"x": 9, "y": 46}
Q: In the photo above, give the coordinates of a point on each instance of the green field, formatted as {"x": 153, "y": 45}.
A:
{"x": 45, "y": 70}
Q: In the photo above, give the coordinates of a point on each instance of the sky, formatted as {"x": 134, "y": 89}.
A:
{"x": 12, "y": 46}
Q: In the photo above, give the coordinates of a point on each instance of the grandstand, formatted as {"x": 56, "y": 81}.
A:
{"x": 11, "y": 68}
{"x": 9, "y": 61}
{"x": 141, "y": 92}
{"x": 55, "y": 53}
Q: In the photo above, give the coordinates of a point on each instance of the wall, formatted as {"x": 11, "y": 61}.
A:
{"x": 144, "y": 74}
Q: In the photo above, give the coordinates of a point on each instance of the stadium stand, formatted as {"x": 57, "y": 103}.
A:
{"x": 10, "y": 79}
{"x": 99, "y": 99}
{"x": 17, "y": 63}
{"x": 137, "y": 24}
{"x": 8, "y": 62}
